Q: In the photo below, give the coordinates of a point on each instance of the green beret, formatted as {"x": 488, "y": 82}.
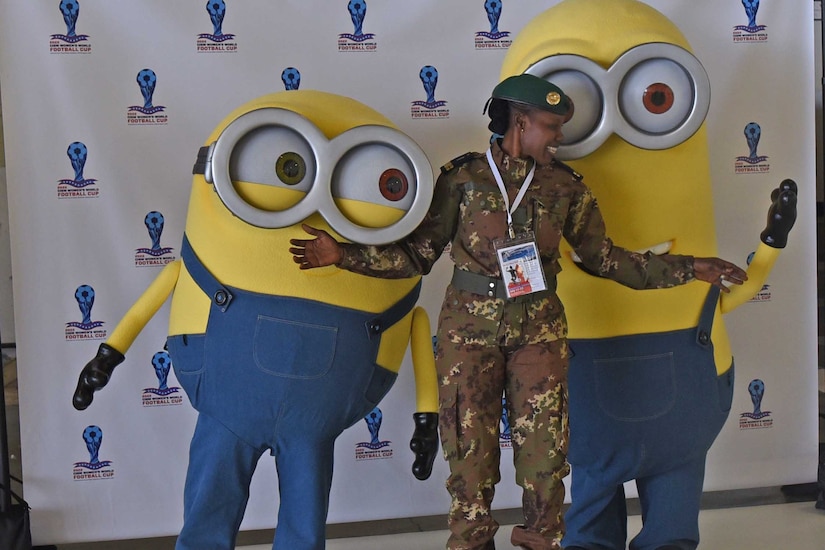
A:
{"x": 534, "y": 91}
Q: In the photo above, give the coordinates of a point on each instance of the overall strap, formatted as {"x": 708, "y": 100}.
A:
{"x": 382, "y": 321}
{"x": 706, "y": 318}
{"x": 219, "y": 294}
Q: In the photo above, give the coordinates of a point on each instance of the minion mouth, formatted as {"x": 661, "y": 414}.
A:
{"x": 658, "y": 250}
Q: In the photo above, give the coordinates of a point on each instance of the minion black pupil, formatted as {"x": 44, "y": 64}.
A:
{"x": 394, "y": 185}
{"x": 658, "y": 98}
{"x": 291, "y": 168}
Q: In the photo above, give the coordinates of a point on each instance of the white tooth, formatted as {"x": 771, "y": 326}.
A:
{"x": 658, "y": 250}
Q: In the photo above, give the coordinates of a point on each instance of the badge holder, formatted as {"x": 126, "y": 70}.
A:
{"x": 520, "y": 265}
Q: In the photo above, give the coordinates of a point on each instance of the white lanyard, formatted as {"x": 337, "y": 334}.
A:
{"x": 520, "y": 194}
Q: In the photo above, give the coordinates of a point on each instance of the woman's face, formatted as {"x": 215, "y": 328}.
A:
{"x": 540, "y": 134}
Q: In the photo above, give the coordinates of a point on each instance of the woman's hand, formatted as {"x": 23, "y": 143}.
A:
{"x": 718, "y": 272}
{"x": 321, "y": 251}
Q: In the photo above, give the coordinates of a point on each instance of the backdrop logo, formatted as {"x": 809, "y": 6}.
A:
{"x": 758, "y": 418}
{"x": 85, "y": 329}
{"x": 94, "y": 468}
{"x": 753, "y": 163}
{"x": 148, "y": 113}
{"x": 163, "y": 395}
{"x": 505, "y": 436}
{"x": 430, "y": 108}
{"x": 374, "y": 448}
{"x": 78, "y": 187}
{"x": 157, "y": 254}
{"x": 494, "y": 39}
{"x": 358, "y": 40}
{"x": 291, "y": 77}
{"x": 216, "y": 41}
{"x": 750, "y": 32}
{"x": 71, "y": 42}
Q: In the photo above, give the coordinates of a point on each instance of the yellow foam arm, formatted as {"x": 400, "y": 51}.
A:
{"x": 421, "y": 348}
{"x": 144, "y": 308}
{"x": 758, "y": 271}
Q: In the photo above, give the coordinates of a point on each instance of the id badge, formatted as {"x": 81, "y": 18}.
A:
{"x": 520, "y": 265}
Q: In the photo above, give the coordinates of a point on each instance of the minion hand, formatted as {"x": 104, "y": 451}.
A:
{"x": 95, "y": 375}
{"x": 321, "y": 251}
{"x": 424, "y": 444}
{"x": 781, "y": 215}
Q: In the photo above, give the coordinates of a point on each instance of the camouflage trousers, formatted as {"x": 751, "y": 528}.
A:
{"x": 533, "y": 379}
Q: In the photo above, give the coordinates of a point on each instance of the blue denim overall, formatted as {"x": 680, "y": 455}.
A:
{"x": 644, "y": 407}
{"x": 278, "y": 373}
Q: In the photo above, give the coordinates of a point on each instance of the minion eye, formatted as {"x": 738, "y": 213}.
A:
{"x": 291, "y": 168}
{"x": 587, "y": 98}
{"x": 393, "y": 184}
{"x": 656, "y": 96}
{"x": 371, "y": 184}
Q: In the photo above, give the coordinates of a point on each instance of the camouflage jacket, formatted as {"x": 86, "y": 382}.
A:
{"x": 468, "y": 212}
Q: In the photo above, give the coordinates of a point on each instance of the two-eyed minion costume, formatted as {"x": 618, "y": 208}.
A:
{"x": 275, "y": 358}
{"x": 651, "y": 373}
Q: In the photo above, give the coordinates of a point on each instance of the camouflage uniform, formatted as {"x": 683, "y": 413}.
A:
{"x": 487, "y": 344}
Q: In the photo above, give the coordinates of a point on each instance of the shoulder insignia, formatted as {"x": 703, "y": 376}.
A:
{"x": 458, "y": 161}
{"x": 568, "y": 168}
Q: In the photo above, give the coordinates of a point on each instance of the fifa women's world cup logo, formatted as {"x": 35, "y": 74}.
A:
{"x": 70, "y": 10}
{"x": 148, "y": 113}
{"x": 77, "y": 153}
{"x": 217, "y": 11}
{"x": 429, "y": 79}
{"x": 163, "y": 394}
{"x": 94, "y": 468}
{"x": 291, "y": 77}
{"x": 494, "y": 38}
{"x": 85, "y": 329}
{"x": 156, "y": 254}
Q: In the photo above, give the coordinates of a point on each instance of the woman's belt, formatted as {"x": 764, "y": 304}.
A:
{"x": 492, "y": 287}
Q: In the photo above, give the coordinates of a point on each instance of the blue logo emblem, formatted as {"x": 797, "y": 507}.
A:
{"x": 85, "y": 329}
{"x": 758, "y": 418}
{"x": 753, "y": 162}
{"x": 291, "y": 77}
{"x": 357, "y": 40}
{"x": 430, "y": 108}
{"x": 750, "y": 32}
{"x": 148, "y": 113}
{"x": 494, "y": 38}
{"x": 71, "y": 42}
{"x": 157, "y": 254}
{"x": 94, "y": 468}
{"x": 163, "y": 395}
{"x": 216, "y": 41}
{"x": 374, "y": 448}
{"x": 79, "y": 186}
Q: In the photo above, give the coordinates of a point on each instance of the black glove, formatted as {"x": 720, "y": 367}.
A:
{"x": 424, "y": 444}
{"x": 781, "y": 215}
{"x": 95, "y": 375}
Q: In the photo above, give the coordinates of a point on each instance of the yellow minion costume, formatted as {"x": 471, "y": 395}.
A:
{"x": 651, "y": 373}
{"x": 273, "y": 358}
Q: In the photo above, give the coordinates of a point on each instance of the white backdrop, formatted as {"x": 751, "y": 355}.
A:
{"x": 86, "y": 227}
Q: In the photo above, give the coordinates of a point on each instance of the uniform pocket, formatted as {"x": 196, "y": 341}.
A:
{"x": 448, "y": 424}
{"x": 293, "y": 349}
